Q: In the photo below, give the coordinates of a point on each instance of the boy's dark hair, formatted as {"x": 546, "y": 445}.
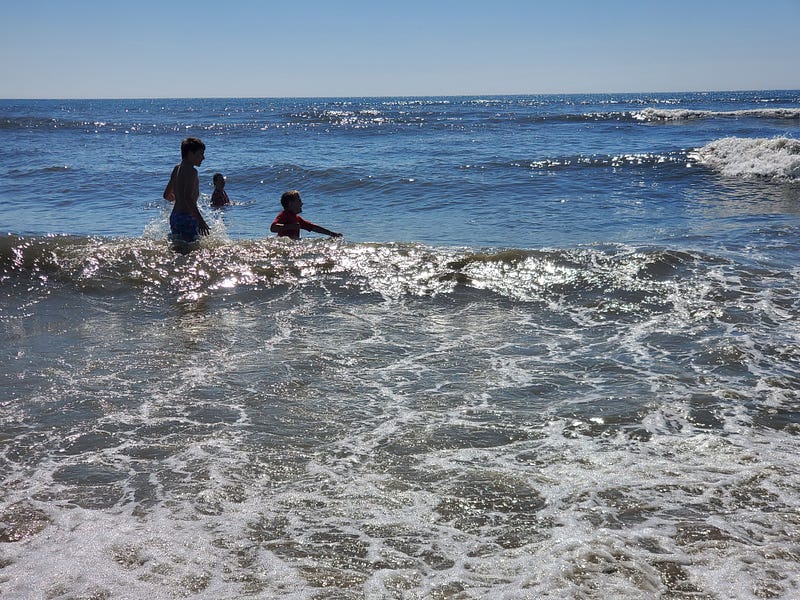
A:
{"x": 289, "y": 196}
{"x": 217, "y": 176}
{"x": 191, "y": 144}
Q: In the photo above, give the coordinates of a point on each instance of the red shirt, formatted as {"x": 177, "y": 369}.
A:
{"x": 289, "y": 218}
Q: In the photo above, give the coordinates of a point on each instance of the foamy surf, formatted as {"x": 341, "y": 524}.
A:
{"x": 685, "y": 114}
{"x": 776, "y": 159}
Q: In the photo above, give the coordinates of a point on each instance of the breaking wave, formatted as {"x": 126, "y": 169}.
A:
{"x": 753, "y": 158}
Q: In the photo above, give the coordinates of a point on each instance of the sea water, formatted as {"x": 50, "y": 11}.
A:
{"x": 556, "y": 354}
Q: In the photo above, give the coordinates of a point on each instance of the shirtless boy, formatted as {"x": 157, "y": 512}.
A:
{"x": 183, "y": 189}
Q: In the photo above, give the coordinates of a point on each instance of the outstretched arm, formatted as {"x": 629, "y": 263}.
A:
{"x": 318, "y": 229}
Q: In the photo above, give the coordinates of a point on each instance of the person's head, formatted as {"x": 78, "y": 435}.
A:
{"x": 193, "y": 148}
{"x": 219, "y": 181}
{"x": 291, "y": 201}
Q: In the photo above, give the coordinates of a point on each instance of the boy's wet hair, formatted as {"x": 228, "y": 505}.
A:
{"x": 191, "y": 144}
{"x": 287, "y": 197}
{"x": 217, "y": 176}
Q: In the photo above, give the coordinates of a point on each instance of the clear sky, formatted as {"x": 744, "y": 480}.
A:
{"x": 266, "y": 48}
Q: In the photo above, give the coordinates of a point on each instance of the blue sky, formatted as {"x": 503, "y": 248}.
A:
{"x": 234, "y": 48}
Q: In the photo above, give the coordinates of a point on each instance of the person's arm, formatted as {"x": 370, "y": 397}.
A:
{"x": 319, "y": 229}
{"x": 309, "y": 226}
{"x": 202, "y": 226}
{"x": 169, "y": 191}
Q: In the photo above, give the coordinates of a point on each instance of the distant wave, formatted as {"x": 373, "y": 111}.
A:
{"x": 367, "y": 118}
{"x": 683, "y": 114}
{"x": 632, "y": 159}
{"x": 589, "y": 161}
{"x": 29, "y": 123}
{"x": 377, "y": 117}
{"x": 52, "y": 123}
{"x": 380, "y": 117}
{"x": 341, "y": 117}
{"x": 752, "y": 158}
{"x": 32, "y": 172}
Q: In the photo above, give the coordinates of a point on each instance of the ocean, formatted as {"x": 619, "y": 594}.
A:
{"x": 555, "y": 355}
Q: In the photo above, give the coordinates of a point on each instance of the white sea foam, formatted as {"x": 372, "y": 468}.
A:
{"x": 775, "y": 158}
{"x": 485, "y": 456}
{"x": 685, "y": 114}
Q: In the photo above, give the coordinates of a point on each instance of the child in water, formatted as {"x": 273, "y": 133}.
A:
{"x": 219, "y": 197}
{"x": 288, "y": 223}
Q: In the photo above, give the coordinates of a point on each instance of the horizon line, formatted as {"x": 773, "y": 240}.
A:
{"x": 457, "y": 95}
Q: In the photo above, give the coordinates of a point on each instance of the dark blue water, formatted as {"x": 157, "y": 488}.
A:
{"x": 555, "y": 355}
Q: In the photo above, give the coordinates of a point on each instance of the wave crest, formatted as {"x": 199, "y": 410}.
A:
{"x": 752, "y": 158}
{"x": 146, "y": 268}
{"x": 685, "y": 114}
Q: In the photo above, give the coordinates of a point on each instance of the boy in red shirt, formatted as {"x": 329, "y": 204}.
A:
{"x": 288, "y": 223}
